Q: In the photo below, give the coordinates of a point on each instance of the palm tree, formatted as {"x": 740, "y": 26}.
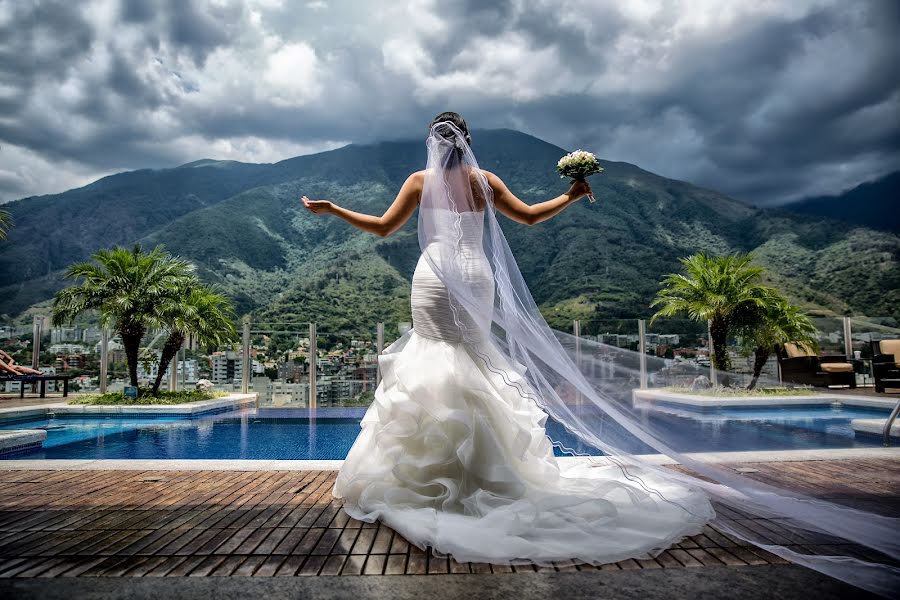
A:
{"x": 6, "y": 222}
{"x": 199, "y": 311}
{"x": 714, "y": 289}
{"x": 763, "y": 327}
{"x": 127, "y": 287}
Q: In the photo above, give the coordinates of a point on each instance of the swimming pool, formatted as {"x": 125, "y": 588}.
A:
{"x": 290, "y": 434}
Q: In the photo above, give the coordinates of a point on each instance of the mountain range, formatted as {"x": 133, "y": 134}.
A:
{"x": 244, "y": 227}
{"x": 875, "y": 204}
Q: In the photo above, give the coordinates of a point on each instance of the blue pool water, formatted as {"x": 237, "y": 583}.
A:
{"x": 284, "y": 434}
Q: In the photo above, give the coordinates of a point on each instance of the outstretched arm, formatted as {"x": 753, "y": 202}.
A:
{"x": 507, "y": 203}
{"x": 393, "y": 218}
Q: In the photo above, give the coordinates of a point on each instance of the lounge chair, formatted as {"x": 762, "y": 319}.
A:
{"x": 10, "y": 371}
{"x": 802, "y": 366}
{"x": 886, "y": 364}
{"x": 41, "y": 379}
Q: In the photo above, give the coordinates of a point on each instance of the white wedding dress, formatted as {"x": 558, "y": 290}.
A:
{"x": 452, "y": 457}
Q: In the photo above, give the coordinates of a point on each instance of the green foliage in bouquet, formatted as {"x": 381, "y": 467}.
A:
{"x": 578, "y": 165}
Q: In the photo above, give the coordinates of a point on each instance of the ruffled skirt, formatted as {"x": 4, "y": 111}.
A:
{"x": 454, "y": 458}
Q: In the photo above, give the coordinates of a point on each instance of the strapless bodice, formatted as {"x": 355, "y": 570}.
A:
{"x": 455, "y": 243}
{"x": 462, "y": 228}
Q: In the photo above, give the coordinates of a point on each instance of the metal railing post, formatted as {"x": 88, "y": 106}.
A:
{"x": 245, "y": 357}
{"x": 576, "y": 330}
{"x": 713, "y": 376}
{"x": 104, "y": 358}
{"x": 37, "y": 326}
{"x": 848, "y": 339}
{"x": 36, "y": 330}
{"x": 313, "y": 403}
{"x": 642, "y": 349}
{"x": 379, "y": 348}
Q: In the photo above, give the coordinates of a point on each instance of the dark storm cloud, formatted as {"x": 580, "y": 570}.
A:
{"x": 767, "y": 105}
{"x": 720, "y": 96}
{"x": 186, "y": 23}
{"x": 138, "y": 11}
{"x": 199, "y": 30}
{"x": 55, "y": 44}
{"x": 65, "y": 33}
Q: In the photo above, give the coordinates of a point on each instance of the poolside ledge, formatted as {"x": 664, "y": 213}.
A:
{"x": 713, "y": 402}
{"x": 874, "y": 427}
{"x": 187, "y": 409}
{"x": 21, "y": 439}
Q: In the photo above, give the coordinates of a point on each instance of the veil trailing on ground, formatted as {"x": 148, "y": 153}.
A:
{"x": 586, "y": 389}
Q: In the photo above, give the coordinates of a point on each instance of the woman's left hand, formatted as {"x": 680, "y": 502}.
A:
{"x": 317, "y": 206}
{"x": 579, "y": 189}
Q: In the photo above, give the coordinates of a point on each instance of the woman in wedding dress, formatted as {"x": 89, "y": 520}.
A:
{"x": 453, "y": 452}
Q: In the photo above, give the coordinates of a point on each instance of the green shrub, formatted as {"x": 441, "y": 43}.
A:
{"x": 144, "y": 397}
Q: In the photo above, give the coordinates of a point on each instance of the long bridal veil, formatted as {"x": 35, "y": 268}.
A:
{"x": 586, "y": 390}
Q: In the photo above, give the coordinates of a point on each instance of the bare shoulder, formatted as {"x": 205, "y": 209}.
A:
{"x": 417, "y": 178}
{"x": 415, "y": 183}
{"x": 493, "y": 180}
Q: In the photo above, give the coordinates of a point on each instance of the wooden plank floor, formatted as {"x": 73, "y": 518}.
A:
{"x": 285, "y": 523}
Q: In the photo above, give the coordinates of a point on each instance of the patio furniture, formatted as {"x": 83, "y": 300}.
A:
{"x": 863, "y": 368}
{"x": 886, "y": 364}
{"x": 41, "y": 379}
{"x": 802, "y": 366}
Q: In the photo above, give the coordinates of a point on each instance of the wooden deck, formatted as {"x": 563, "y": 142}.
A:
{"x": 285, "y": 523}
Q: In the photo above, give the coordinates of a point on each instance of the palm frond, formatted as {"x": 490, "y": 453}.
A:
{"x": 6, "y": 223}
{"x": 711, "y": 287}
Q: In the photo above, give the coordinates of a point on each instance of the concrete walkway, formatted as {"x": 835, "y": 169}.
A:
{"x": 771, "y": 582}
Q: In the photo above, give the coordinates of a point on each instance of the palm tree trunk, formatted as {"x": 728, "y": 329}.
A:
{"x": 131, "y": 340}
{"x": 718, "y": 330}
{"x": 760, "y": 358}
{"x": 170, "y": 349}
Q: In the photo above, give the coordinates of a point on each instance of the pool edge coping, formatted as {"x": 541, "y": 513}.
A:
{"x": 200, "y": 407}
{"x": 818, "y": 399}
{"x": 202, "y": 464}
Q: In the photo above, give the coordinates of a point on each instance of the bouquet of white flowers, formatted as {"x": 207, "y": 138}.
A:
{"x": 578, "y": 165}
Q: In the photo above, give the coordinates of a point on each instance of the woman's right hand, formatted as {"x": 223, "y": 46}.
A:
{"x": 579, "y": 189}
{"x": 317, "y": 206}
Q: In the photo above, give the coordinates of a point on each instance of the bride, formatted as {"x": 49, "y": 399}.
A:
{"x": 453, "y": 452}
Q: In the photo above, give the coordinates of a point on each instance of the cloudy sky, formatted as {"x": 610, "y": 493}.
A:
{"x": 768, "y": 101}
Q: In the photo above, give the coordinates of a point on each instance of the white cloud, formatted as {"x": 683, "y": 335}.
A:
{"x": 767, "y": 100}
{"x": 24, "y": 172}
{"x": 293, "y": 75}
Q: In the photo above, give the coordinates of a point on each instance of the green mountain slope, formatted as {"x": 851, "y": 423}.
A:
{"x": 874, "y": 204}
{"x": 249, "y": 234}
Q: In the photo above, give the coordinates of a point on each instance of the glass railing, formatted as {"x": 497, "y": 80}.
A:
{"x": 867, "y": 330}
{"x": 71, "y": 351}
{"x": 277, "y": 357}
{"x": 865, "y": 333}
{"x": 278, "y": 360}
{"x": 599, "y": 345}
{"x": 681, "y": 351}
{"x": 830, "y": 335}
{"x": 347, "y": 373}
{"x": 394, "y": 330}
